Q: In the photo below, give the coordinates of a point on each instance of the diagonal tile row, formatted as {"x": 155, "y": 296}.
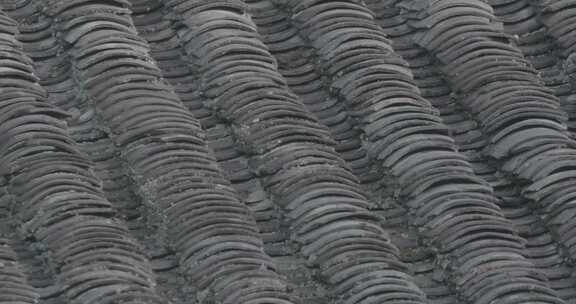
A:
{"x": 54, "y": 70}
{"x": 148, "y": 18}
{"x": 212, "y": 233}
{"x": 56, "y": 201}
{"x": 529, "y": 141}
{"x": 291, "y": 153}
{"x": 297, "y": 63}
{"x": 167, "y": 52}
{"x": 542, "y": 249}
{"x": 541, "y": 46}
{"x": 378, "y": 89}
{"x": 519, "y": 116}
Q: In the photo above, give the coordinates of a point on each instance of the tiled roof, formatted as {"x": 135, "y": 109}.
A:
{"x": 287, "y": 151}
